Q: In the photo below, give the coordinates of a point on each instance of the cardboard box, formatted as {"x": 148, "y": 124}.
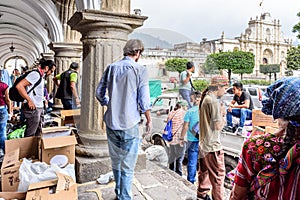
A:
{"x": 260, "y": 119}
{"x": 13, "y": 195}
{"x": 66, "y": 188}
{"x": 58, "y": 141}
{"x": 15, "y": 150}
{"x": 70, "y": 116}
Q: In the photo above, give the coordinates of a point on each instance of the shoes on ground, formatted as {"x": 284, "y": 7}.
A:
{"x": 227, "y": 129}
{"x": 239, "y": 131}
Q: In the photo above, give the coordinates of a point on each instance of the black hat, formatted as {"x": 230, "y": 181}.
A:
{"x": 74, "y": 65}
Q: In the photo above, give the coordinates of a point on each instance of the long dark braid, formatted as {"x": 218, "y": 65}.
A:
{"x": 202, "y": 96}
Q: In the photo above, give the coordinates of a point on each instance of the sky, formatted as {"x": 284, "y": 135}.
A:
{"x": 199, "y": 19}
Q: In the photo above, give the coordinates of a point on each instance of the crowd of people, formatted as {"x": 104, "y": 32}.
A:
{"x": 32, "y": 87}
{"x": 268, "y": 167}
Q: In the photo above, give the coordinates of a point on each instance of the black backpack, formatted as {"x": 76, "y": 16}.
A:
{"x": 14, "y": 94}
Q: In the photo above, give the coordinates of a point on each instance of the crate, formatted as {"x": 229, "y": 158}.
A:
{"x": 261, "y": 119}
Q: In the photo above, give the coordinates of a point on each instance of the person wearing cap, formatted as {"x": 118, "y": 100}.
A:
{"x": 212, "y": 120}
{"x": 176, "y": 150}
{"x": 67, "y": 83}
{"x": 191, "y": 118}
{"x": 185, "y": 83}
{"x": 269, "y": 165}
{"x": 241, "y": 106}
{"x": 124, "y": 90}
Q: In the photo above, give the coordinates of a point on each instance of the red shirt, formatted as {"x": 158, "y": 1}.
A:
{"x": 267, "y": 175}
{"x": 3, "y": 88}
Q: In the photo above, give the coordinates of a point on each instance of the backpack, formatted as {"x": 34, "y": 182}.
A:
{"x": 14, "y": 94}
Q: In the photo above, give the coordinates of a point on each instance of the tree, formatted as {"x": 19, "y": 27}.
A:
{"x": 176, "y": 64}
{"x": 293, "y": 58}
{"x": 238, "y": 62}
{"x": 296, "y": 28}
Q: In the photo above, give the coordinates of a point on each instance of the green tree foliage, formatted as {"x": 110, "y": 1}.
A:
{"x": 176, "y": 64}
{"x": 293, "y": 58}
{"x": 238, "y": 62}
{"x": 200, "y": 85}
{"x": 296, "y": 28}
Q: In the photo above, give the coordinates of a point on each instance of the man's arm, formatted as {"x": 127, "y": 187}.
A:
{"x": 74, "y": 92}
{"x": 21, "y": 87}
{"x": 101, "y": 89}
{"x": 55, "y": 80}
{"x": 187, "y": 79}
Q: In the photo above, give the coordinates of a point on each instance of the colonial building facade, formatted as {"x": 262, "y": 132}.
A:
{"x": 262, "y": 37}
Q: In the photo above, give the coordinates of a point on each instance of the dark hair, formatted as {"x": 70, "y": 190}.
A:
{"x": 74, "y": 65}
{"x": 238, "y": 85}
{"x": 189, "y": 65}
{"x": 132, "y": 47}
{"x": 208, "y": 89}
{"x": 49, "y": 63}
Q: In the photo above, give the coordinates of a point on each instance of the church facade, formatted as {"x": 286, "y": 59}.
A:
{"x": 262, "y": 37}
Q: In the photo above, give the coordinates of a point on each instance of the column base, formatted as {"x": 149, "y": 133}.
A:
{"x": 90, "y": 168}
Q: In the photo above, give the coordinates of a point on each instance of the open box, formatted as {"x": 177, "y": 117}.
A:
{"x": 61, "y": 188}
{"x": 58, "y": 141}
{"x": 16, "y": 149}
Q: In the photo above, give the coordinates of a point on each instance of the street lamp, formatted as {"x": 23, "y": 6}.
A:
{"x": 16, "y": 61}
{"x": 12, "y": 48}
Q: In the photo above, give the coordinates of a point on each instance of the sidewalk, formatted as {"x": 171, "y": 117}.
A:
{"x": 152, "y": 183}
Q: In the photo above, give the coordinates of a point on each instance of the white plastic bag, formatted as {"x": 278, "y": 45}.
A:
{"x": 40, "y": 171}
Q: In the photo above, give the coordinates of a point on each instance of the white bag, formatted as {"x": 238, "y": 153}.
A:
{"x": 40, "y": 171}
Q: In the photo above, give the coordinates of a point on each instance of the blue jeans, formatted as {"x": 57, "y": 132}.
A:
{"x": 243, "y": 113}
{"x": 192, "y": 151}
{"x": 69, "y": 104}
{"x": 176, "y": 155}
{"x": 123, "y": 146}
{"x": 186, "y": 95}
{"x": 3, "y": 123}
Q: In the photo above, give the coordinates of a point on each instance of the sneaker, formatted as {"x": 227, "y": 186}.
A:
{"x": 227, "y": 129}
{"x": 239, "y": 131}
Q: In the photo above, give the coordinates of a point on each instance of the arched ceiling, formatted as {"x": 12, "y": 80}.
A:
{"x": 31, "y": 25}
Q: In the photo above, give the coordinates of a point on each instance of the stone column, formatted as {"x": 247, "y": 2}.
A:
{"x": 65, "y": 54}
{"x": 104, "y": 34}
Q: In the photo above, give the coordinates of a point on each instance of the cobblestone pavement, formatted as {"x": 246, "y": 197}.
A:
{"x": 152, "y": 183}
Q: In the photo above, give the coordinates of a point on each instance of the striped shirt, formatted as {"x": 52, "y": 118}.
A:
{"x": 177, "y": 123}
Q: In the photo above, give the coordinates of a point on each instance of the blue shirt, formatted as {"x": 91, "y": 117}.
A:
{"x": 128, "y": 93}
{"x": 5, "y": 78}
{"x": 192, "y": 117}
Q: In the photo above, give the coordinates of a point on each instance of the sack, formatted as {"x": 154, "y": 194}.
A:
{"x": 167, "y": 135}
{"x": 195, "y": 130}
{"x": 14, "y": 94}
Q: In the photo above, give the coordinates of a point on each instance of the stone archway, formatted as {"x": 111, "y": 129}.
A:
{"x": 268, "y": 57}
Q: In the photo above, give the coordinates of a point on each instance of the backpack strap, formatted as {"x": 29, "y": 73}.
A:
{"x": 37, "y": 83}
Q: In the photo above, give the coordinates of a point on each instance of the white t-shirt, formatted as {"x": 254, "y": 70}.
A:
{"x": 37, "y": 94}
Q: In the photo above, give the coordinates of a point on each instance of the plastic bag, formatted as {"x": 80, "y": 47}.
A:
{"x": 40, "y": 171}
{"x": 168, "y": 135}
{"x": 18, "y": 133}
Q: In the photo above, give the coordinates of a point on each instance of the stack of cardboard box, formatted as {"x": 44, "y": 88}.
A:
{"x": 259, "y": 120}
{"x": 54, "y": 141}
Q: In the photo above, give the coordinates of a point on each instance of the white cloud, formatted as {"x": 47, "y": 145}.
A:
{"x": 208, "y": 18}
